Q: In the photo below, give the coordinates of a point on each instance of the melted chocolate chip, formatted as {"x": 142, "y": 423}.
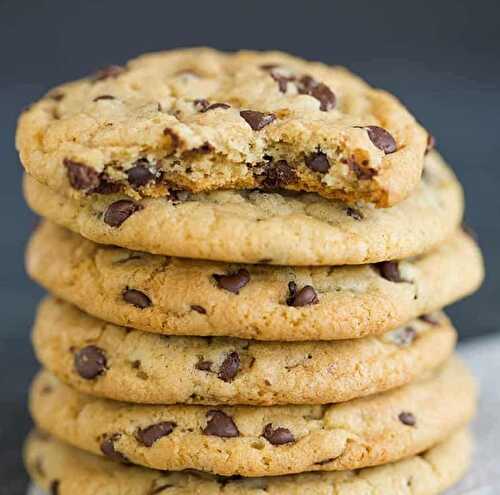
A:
{"x": 429, "y": 319}
{"x": 234, "y": 281}
{"x": 277, "y": 436}
{"x": 203, "y": 365}
{"x": 148, "y": 436}
{"x": 309, "y": 86}
{"x": 390, "y": 271}
{"x": 201, "y": 104}
{"x": 278, "y": 174}
{"x": 363, "y": 171}
{"x": 140, "y": 174}
{"x": 111, "y": 71}
{"x": 407, "y": 418}
{"x": 303, "y": 297}
{"x": 431, "y": 143}
{"x": 107, "y": 187}
{"x": 54, "y": 487}
{"x": 220, "y": 424}
{"x": 382, "y": 139}
{"x": 80, "y": 176}
{"x": 104, "y": 97}
{"x": 354, "y": 213}
{"x": 257, "y": 120}
{"x": 119, "y": 211}
{"x": 136, "y": 298}
{"x": 108, "y": 448}
{"x": 213, "y": 106}
{"x": 90, "y": 362}
{"x": 229, "y": 367}
{"x": 318, "y": 162}
{"x": 199, "y": 309}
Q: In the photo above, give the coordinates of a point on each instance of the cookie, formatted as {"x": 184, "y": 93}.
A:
{"x": 260, "y": 441}
{"x": 105, "y": 360}
{"x": 257, "y": 227}
{"x": 189, "y": 297}
{"x": 54, "y": 465}
{"x": 199, "y": 120}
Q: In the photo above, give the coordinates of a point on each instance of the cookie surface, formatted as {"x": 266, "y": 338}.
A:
{"x": 201, "y": 120}
{"x": 129, "y": 365}
{"x": 51, "y": 463}
{"x": 182, "y": 297}
{"x": 255, "y": 227}
{"x": 259, "y": 441}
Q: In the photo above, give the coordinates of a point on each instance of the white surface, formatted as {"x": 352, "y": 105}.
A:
{"x": 483, "y": 356}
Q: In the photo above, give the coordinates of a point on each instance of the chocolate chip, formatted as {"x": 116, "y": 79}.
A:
{"x": 234, "y": 281}
{"x": 257, "y": 120}
{"x": 431, "y": 143}
{"x": 90, "y": 362}
{"x": 80, "y": 176}
{"x": 390, "y": 271}
{"x": 281, "y": 79}
{"x": 54, "y": 487}
{"x": 140, "y": 174}
{"x": 199, "y": 309}
{"x": 429, "y": 319}
{"x": 56, "y": 96}
{"x": 203, "y": 365}
{"x": 220, "y": 424}
{"x": 119, "y": 211}
{"x": 103, "y": 97}
{"x": 136, "y": 298}
{"x": 277, "y": 436}
{"x": 148, "y": 436}
{"x": 403, "y": 336}
{"x": 303, "y": 297}
{"x": 108, "y": 72}
{"x": 309, "y": 86}
{"x": 318, "y": 162}
{"x": 213, "y": 106}
{"x": 278, "y": 174}
{"x": 382, "y": 139}
{"x": 178, "y": 196}
{"x": 201, "y": 104}
{"x": 204, "y": 148}
{"x": 229, "y": 367}
{"x": 407, "y": 418}
{"x": 108, "y": 449}
{"x": 354, "y": 213}
{"x": 107, "y": 187}
{"x": 363, "y": 171}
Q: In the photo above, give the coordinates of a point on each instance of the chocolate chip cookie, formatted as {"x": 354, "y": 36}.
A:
{"x": 199, "y": 120}
{"x": 261, "y": 441}
{"x": 192, "y": 297}
{"x": 105, "y": 360}
{"x": 59, "y": 468}
{"x": 259, "y": 227}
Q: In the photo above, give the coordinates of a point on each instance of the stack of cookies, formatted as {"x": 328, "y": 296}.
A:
{"x": 247, "y": 256}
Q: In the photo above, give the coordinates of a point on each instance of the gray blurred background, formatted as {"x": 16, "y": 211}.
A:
{"x": 441, "y": 58}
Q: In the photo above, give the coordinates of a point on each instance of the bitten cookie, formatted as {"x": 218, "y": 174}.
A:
{"x": 102, "y": 359}
{"x": 59, "y": 468}
{"x": 189, "y": 297}
{"x": 260, "y": 441}
{"x": 257, "y": 227}
{"x": 199, "y": 120}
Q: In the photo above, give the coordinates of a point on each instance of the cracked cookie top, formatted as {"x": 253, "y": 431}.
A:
{"x": 200, "y": 120}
